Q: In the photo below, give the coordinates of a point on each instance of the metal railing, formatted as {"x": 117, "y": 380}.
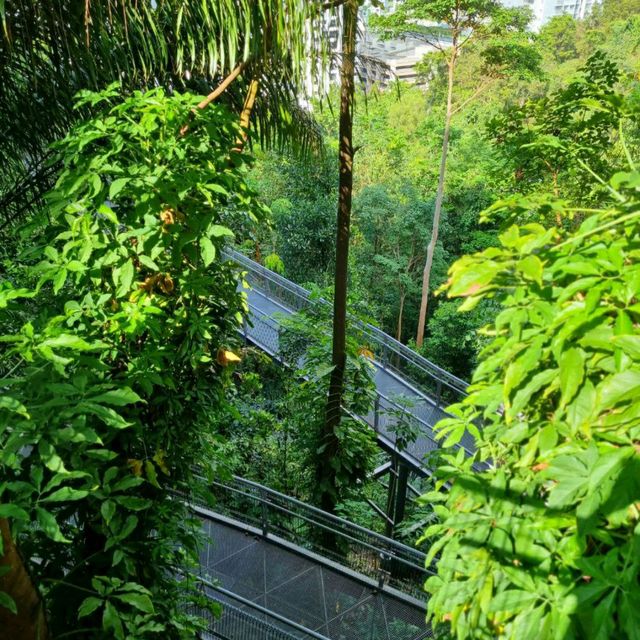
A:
{"x": 388, "y": 562}
{"x": 242, "y": 619}
{"x": 422, "y": 373}
{"x": 385, "y": 412}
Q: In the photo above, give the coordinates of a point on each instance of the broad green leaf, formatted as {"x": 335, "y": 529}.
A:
{"x": 207, "y": 250}
{"x": 218, "y": 231}
{"x": 111, "y": 621}
{"x": 116, "y": 187}
{"x": 8, "y": 602}
{"x": 571, "y": 373}
{"x": 65, "y": 494}
{"x": 117, "y": 397}
{"x": 137, "y": 600}
{"x": 618, "y": 388}
{"x": 69, "y": 341}
{"x": 512, "y": 600}
{"x": 49, "y": 525}
{"x": 13, "y": 511}
{"x": 88, "y": 606}
{"x": 126, "y": 279}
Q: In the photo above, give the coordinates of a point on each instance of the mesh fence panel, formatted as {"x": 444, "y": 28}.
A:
{"x": 304, "y": 591}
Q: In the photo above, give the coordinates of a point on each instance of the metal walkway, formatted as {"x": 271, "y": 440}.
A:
{"x": 268, "y": 564}
{"x": 400, "y": 373}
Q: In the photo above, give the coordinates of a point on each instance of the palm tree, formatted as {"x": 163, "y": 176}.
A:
{"x": 255, "y": 53}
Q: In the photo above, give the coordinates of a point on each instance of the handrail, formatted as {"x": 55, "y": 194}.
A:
{"x": 426, "y": 429}
{"x": 400, "y": 546}
{"x": 390, "y": 345}
{"x": 368, "y": 553}
{"x": 244, "y": 602}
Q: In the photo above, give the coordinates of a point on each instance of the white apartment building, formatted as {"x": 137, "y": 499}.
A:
{"x": 544, "y": 10}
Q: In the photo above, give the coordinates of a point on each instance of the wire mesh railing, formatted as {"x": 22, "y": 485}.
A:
{"x": 242, "y": 619}
{"x": 438, "y": 383}
{"x": 388, "y": 562}
{"x": 385, "y": 413}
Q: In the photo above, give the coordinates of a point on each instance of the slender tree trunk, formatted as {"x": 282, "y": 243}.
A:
{"x": 403, "y": 295}
{"x": 29, "y": 623}
{"x": 334, "y": 399}
{"x": 426, "y": 276}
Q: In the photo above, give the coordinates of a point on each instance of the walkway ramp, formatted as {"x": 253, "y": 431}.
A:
{"x": 406, "y": 382}
{"x": 268, "y": 564}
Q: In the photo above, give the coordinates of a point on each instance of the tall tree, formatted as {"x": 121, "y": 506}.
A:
{"x": 346, "y": 153}
{"x": 450, "y": 26}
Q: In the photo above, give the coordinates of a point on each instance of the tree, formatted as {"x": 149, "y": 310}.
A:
{"x": 543, "y": 543}
{"x": 256, "y": 55}
{"x": 460, "y": 23}
{"x": 345, "y": 194}
{"x": 551, "y": 143}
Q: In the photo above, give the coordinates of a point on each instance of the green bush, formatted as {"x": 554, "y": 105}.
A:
{"x": 544, "y": 543}
{"x": 104, "y": 409}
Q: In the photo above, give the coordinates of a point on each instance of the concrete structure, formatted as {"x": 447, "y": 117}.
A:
{"x": 544, "y": 10}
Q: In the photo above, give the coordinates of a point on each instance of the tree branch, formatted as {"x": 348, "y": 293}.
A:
{"x": 475, "y": 94}
{"x": 245, "y": 115}
{"x": 218, "y": 91}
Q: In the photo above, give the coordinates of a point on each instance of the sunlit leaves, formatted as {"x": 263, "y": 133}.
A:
{"x": 558, "y": 389}
{"x": 109, "y": 404}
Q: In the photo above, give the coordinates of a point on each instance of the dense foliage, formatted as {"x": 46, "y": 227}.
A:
{"x": 113, "y": 346}
{"x": 543, "y": 543}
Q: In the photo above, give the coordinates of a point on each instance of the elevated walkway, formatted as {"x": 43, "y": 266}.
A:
{"x": 268, "y": 563}
{"x": 407, "y": 384}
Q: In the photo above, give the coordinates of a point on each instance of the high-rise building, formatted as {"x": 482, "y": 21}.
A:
{"x": 544, "y": 10}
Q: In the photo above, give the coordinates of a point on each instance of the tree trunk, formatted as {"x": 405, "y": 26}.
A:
{"x": 29, "y": 623}
{"x": 403, "y": 295}
{"x": 334, "y": 398}
{"x": 426, "y": 276}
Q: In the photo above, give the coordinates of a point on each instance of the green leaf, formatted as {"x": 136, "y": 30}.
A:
{"x": 13, "y": 511}
{"x": 117, "y": 397}
{"x": 126, "y": 279}
{"x": 107, "y": 415}
{"x": 618, "y": 388}
{"x": 512, "y": 600}
{"x": 137, "y": 600}
{"x": 571, "y": 374}
{"x": 108, "y": 509}
{"x": 218, "y": 231}
{"x": 148, "y": 262}
{"x": 66, "y": 494}
{"x": 69, "y": 341}
{"x": 207, "y": 250}
{"x": 116, "y": 187}
{"x": 59, "y": 280}
{"x": 88, "y": 606}
{"x": 151, "y": 473}
{"x": 111, "y": 621}
{"x": 8, "y": 602}
{"x": 49, "y": 525}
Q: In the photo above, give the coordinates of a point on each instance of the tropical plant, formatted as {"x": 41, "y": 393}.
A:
{"x": 258, "y": 54}
{"x": 555, "y": 142}
{"x": 543, "y": 543}
{"x": 307, "y": 341}
{"x": 117, "y": 356}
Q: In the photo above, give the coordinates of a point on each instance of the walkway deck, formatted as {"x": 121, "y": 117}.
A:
{"x": 399, "y": 372}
